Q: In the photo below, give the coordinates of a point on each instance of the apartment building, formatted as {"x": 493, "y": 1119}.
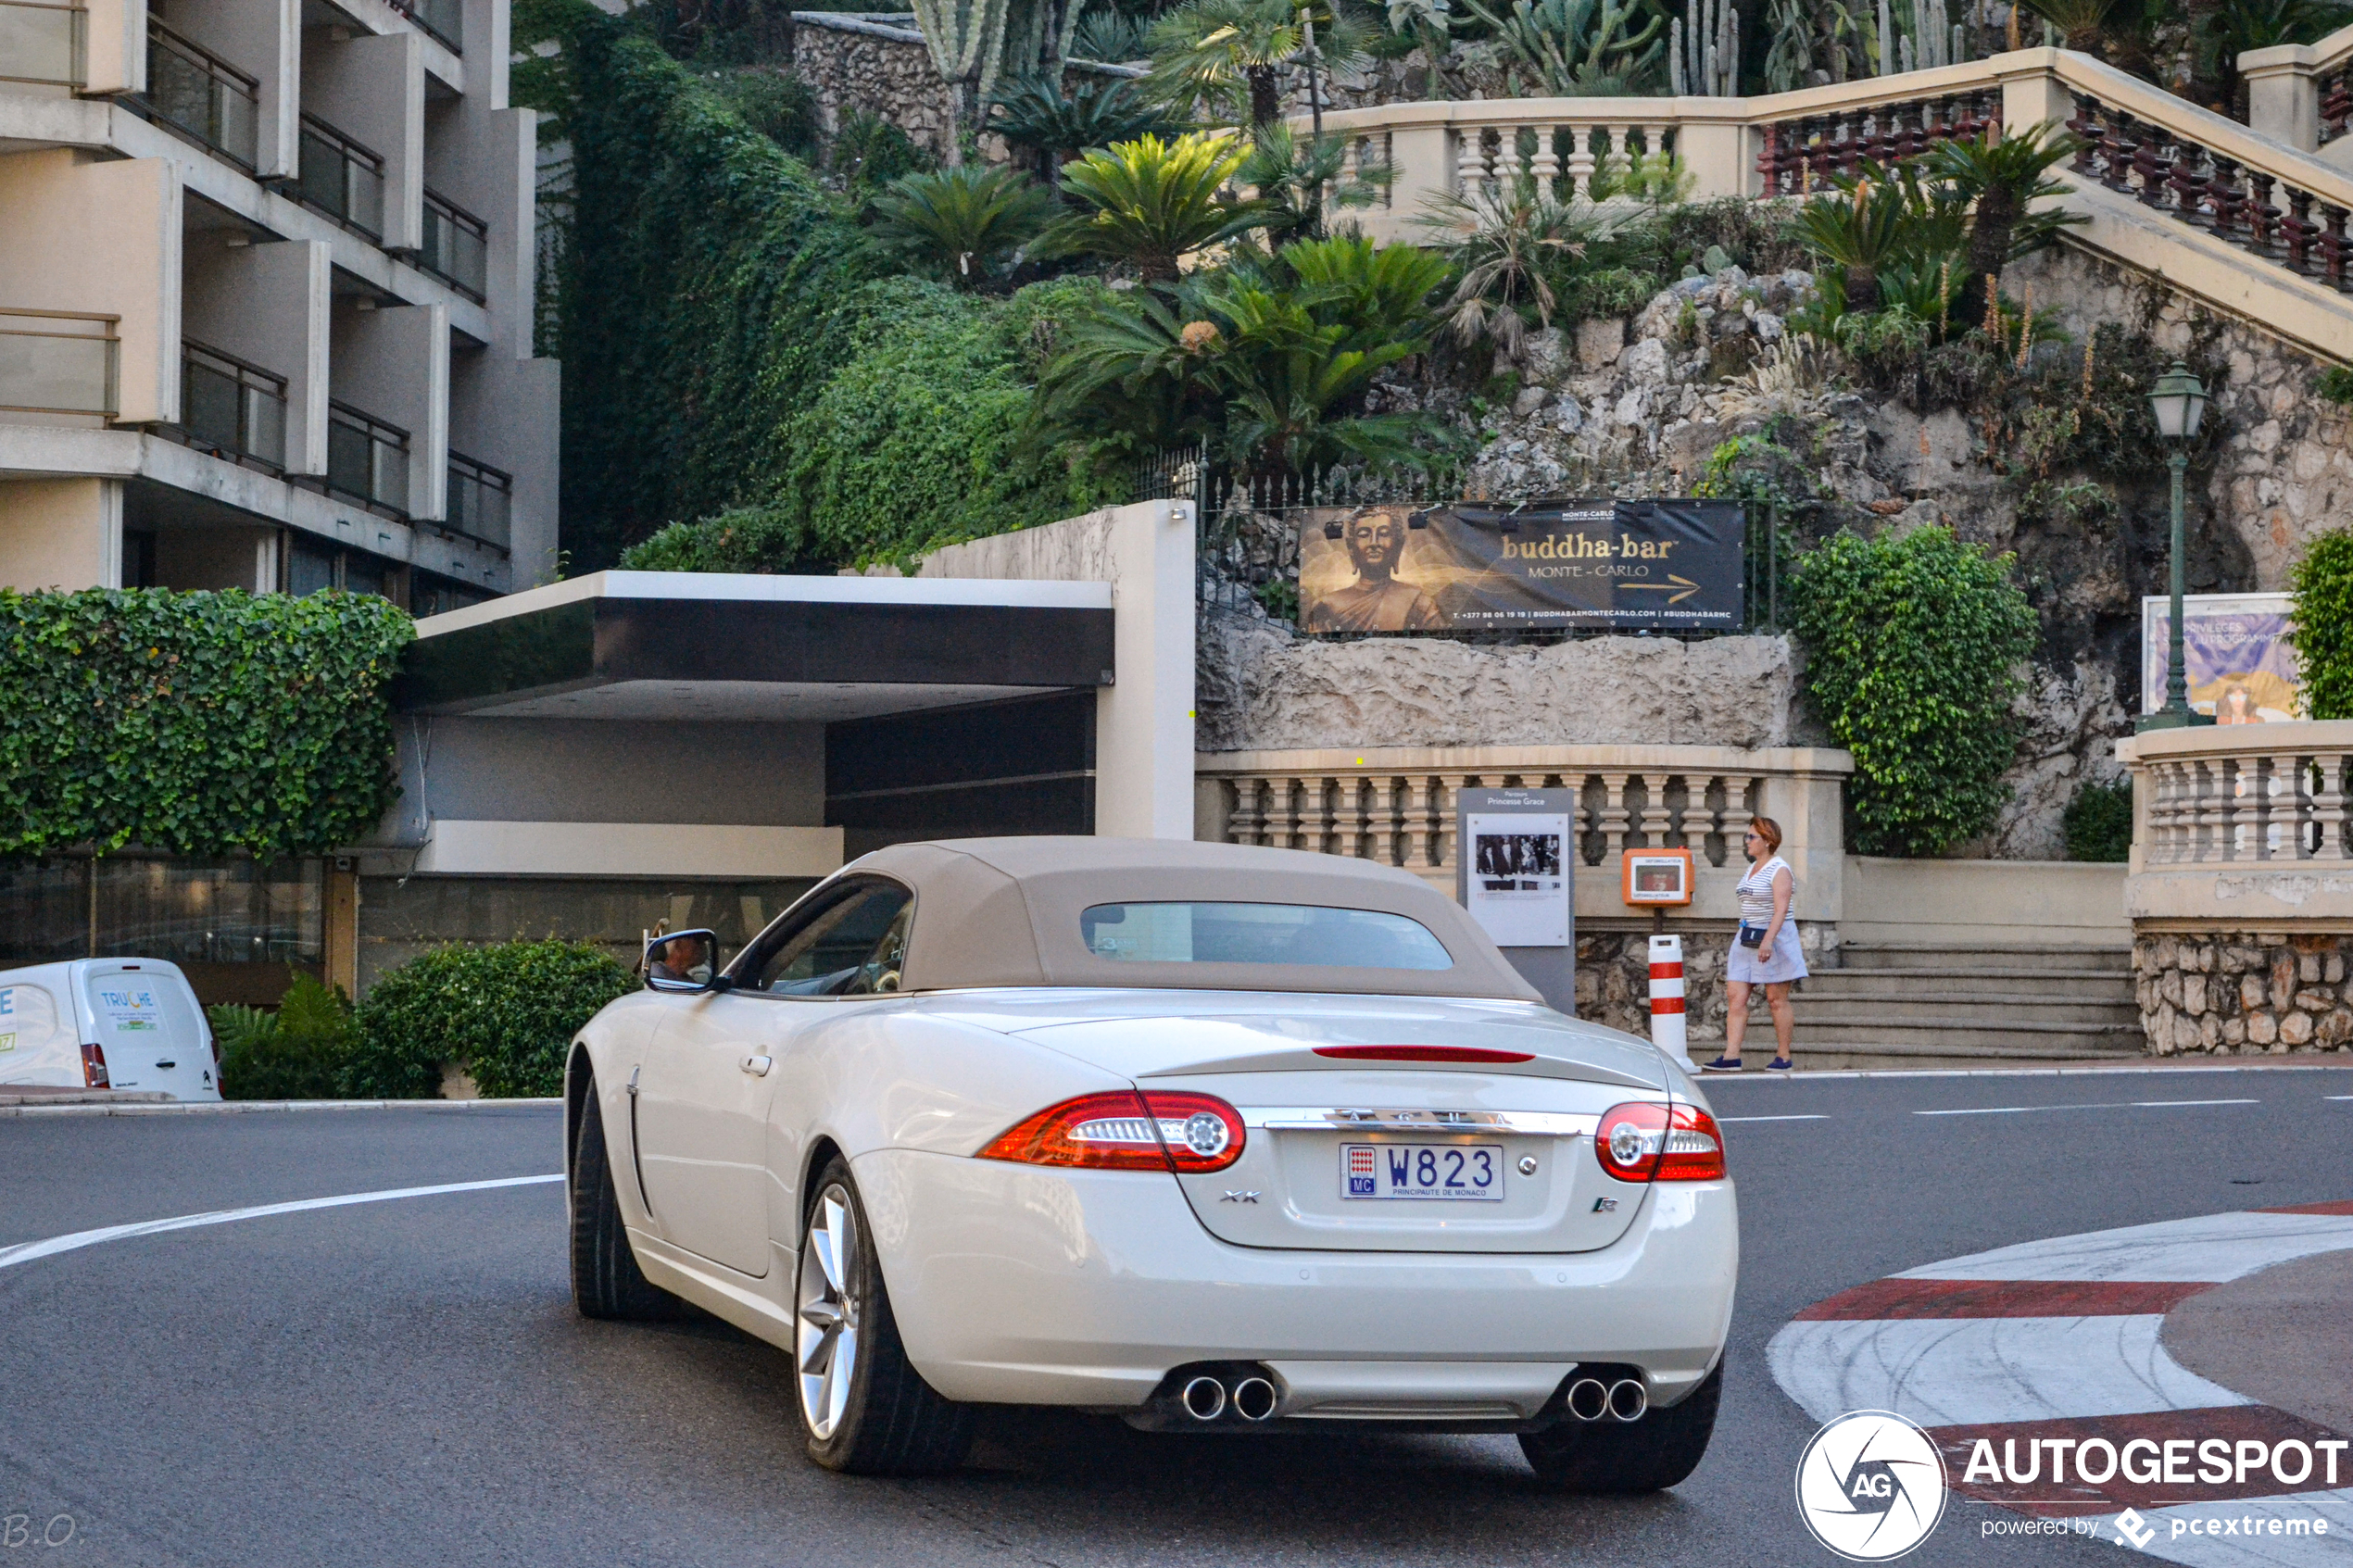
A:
{"x": 267, "y": 299}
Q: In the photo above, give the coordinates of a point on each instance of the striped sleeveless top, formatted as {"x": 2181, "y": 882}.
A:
{"x": 1755, "y": 891}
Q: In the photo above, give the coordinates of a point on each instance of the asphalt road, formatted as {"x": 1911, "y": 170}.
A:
{"x": 407, "y": 1383}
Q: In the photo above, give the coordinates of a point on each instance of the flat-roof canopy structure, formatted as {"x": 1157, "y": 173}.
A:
{"x": 667, "y": 646}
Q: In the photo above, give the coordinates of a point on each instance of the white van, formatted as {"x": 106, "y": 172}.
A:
{"x": 105, "y": 1023}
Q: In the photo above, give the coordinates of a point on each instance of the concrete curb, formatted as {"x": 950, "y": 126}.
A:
{"x": 236, "y": 1107}
{"x": 1800, "y": 1074}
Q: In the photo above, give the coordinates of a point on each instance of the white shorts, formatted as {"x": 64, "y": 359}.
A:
{"x": 1788, "y": 962}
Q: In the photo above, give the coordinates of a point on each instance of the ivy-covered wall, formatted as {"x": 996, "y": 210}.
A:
{"x": 730, "y": 341}
{"x": 198, "y": 723}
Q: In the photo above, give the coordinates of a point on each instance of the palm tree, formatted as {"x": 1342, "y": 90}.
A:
{"x": 959, "y": 221}
{"x": 1295, "y": 175}
{"x": 2003, "y": 176}
{"x": 1232, "y": 52}
{"x": 1150, "y": 202}
{"x": 1507, "y": 240}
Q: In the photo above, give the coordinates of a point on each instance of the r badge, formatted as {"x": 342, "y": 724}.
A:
{"x": 1605, "y": 1206}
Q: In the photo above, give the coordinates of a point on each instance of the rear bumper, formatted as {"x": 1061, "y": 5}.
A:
{"x": 1017, "y": 1285}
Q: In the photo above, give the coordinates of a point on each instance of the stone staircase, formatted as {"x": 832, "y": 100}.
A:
{"x": 1911, "y": 1004}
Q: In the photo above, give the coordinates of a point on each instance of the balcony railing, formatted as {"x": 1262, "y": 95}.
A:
{"x": 231, "y": 409}
{"x": 479, "y": 497}
{"x": 195, "y": 91}
{"x": 341, "y": 177}
{"x": 456, "y": 247}
{"x": 41, "y": 43}
{"x": 58, "y": 362}
{"x": 445, "y": 19}
{"x": 367, "y": 459}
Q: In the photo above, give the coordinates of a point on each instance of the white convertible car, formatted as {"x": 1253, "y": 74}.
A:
{"x": 1217, "y": 1139}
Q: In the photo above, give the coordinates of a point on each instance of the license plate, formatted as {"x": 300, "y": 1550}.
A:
{"x": 1472, "y": 1170}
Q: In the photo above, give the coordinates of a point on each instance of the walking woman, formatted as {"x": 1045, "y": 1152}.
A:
{"x": 1766, "y": 950}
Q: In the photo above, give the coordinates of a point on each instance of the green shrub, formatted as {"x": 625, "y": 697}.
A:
{"x": 2335, "y": 386}
{"x": 505, "y": 1013}
{"x": 2097, "y": 824}
{"x": 302, "y": 1051}
{"x": 759, "y": 539}
{"x": 1912, "y": 647}
{"x": 869, "y": 152}
{"x": 198, "y": 723}
{"x": 2320, "y": 624}
{"x": 776, "y": 104}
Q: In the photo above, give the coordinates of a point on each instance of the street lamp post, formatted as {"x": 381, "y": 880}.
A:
{"x": 2179, "y": 402}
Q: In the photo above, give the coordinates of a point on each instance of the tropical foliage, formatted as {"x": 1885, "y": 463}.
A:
{"x": 961, "y": 224}
{"x": 1150, "y": 203}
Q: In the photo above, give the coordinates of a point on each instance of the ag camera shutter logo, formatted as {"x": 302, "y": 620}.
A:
{"x": 1870, "y": 1485}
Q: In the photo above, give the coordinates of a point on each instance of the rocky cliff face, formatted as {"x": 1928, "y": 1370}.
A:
{"x": 1640, "y": 407}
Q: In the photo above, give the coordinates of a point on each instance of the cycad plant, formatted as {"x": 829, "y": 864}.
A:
{"x": 1038, "y": 116}
{"x": 2000, "y": 179}
{"x": 1267, "y": 363}
{"x": 1230, "y": 54}
{"x": 1109, "y": 36}
{"x": 1507, "y": 240}
{"x": 962, "y": 222}
{"x": 1150, "y": 202}
{"x": 1862, "y": 224}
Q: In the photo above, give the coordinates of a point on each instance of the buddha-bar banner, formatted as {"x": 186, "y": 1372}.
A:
{"x": 1651, "y": 565}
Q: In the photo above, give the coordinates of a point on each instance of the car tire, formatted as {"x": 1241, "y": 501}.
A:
{"x": 864, "y": 1409}
{"x": 606, "y": 1281}
{"x": 1616, "y": 1457}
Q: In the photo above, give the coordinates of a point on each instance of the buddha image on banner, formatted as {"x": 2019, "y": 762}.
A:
{"x": 1656, "y": 564}
{"x": 2234, "y": 646}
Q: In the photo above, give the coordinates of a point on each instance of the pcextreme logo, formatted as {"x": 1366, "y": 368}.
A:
{"x": 1870, "y": 1485}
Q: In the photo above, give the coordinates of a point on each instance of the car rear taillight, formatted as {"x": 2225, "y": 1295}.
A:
{"x": 1660, "y": 1143}
{"x": 1421, "y": 1053}
{"x": 94, "y": 1066}
{"x": 1126, "y": 1131}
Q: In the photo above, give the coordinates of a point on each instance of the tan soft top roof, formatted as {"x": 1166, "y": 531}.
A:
{"x": 1004, "y": 912}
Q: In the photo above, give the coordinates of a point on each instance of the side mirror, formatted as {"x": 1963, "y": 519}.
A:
{"x": 684, "y": 962}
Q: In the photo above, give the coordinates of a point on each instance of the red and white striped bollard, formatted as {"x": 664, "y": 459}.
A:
{"x": 1666, "y": 997}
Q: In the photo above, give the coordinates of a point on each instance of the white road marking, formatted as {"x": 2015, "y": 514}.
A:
{"x": 2208, "y": 1246}
{"x": 26, "y": 1251}
{"x": 1813, "y": 1118}
{"x": 1962, "y": 1371}
{"x": 2087, "y": 1105}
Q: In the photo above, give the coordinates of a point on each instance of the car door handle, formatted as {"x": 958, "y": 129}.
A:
{"x": 758, "y": 1066}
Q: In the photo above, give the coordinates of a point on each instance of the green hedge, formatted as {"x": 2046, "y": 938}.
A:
{"x": 2320, "y": 624}
{"x": 733, "y": 346}
{"x": 1912, "y": 650}
{"x": 505, "y": 1013}
{"x": 198, "y": 723}
{"x": 2097, "y": 824}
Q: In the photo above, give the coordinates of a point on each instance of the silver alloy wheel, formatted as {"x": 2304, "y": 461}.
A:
{"x": 828, "y": 1305}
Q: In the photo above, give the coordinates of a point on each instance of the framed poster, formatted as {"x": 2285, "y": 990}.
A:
{"x": 2241, "y": 666}
{"x": 1659, "y": 564}
{"x": 1517, "y": 878}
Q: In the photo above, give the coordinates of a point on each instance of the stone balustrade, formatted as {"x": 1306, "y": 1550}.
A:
{"x": 2241, "y": 887}
{"x": 1397, "y": 806}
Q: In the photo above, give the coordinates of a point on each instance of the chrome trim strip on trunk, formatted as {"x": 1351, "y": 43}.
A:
{"x": 1348, "y": 1119}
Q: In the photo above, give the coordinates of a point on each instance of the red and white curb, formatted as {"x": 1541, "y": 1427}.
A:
{"x": 2039, "y": 1349}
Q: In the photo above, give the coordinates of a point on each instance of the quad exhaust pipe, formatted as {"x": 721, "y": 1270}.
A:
{"x": 1206, "y": 1399}
{"x": 1591, "y": 1400}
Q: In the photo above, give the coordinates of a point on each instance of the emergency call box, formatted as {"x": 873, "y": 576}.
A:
{"x": 1656, "y": 878}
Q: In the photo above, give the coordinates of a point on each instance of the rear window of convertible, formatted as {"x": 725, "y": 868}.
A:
{"x": 1260, "y": 933}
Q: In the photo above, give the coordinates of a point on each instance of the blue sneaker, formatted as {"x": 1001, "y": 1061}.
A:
{"x": 1721, "y": 1064}
{"x": 1779, "y": 1064}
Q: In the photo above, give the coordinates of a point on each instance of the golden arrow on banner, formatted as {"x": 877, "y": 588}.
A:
{"x": 1680, "y": 587}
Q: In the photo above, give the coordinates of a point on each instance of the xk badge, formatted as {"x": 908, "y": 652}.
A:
{"x": 1870, "y": 1485}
